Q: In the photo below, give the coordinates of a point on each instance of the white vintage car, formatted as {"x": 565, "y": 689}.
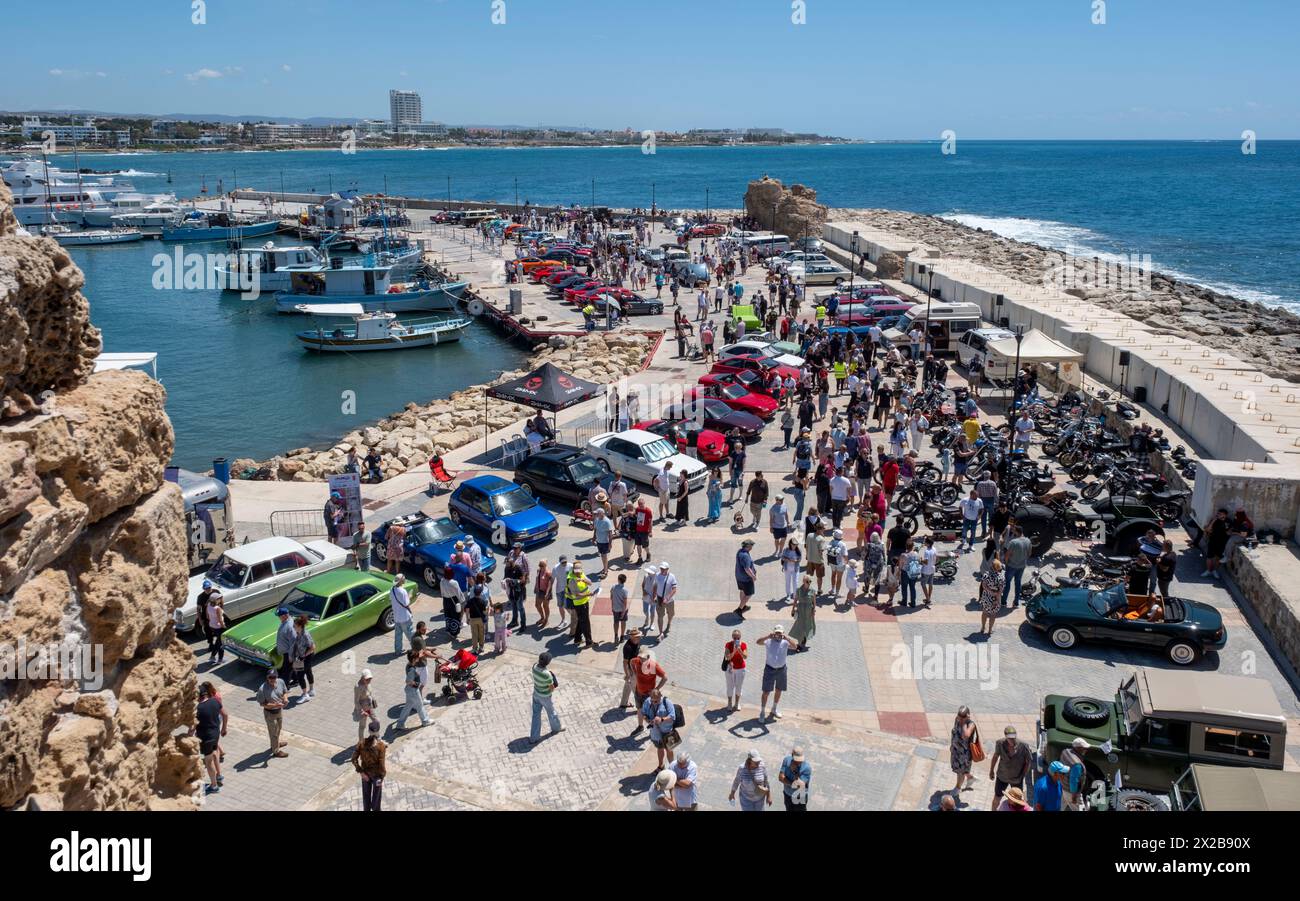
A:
{"x": 641, "y": 455}
{"x": 257, "y": 575}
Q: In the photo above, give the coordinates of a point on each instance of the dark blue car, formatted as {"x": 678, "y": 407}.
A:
{"x": 428, "y": 545}
{"x": 503, "y": 510}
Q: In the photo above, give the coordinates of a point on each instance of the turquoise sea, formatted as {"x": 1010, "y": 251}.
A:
{"x": 238, "y": 386}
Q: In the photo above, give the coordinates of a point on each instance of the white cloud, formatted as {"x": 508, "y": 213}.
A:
{"x": 75, "y": 74}
{"x": 101, "y": 74}
{"x": 203, "y": 73}
{"x": 286, "y": 68}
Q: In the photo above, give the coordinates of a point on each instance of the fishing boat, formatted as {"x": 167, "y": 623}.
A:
{"x": 374, "y": 287}
{"x": 93, "y": 237}
{"x": 270, "y": 265}
{"x": 200, "y": 225}
{"x": 377, "y": 330}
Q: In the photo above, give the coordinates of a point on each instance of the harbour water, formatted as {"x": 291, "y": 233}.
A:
{"x": 239, "y": 385}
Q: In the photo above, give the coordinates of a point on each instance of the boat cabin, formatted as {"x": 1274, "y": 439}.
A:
{"x": 339, "y": 279}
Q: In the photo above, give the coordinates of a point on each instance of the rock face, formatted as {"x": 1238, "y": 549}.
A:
{"x": 792, "y": 211}
{"x": 92, "y": 559}
{"x": 1265, "y": 335}
{"x": 407, "y": 439}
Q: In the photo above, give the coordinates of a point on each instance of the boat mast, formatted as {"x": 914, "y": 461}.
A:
{"x": 76, "y": 163}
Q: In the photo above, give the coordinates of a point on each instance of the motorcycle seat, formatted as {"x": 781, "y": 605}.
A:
{"x": 936, "y": 507}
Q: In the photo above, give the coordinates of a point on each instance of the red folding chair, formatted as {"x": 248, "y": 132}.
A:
{"x": 441, "y": 477}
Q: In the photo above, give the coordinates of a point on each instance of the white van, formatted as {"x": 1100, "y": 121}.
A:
{"x": 948, "y": 322}
{"x": 768, "y": 245}
{"x": 974, "y": 345}
{"x": 621, "y": 237}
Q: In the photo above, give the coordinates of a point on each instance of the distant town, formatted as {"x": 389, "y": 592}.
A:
{"x": 404, "y": 127}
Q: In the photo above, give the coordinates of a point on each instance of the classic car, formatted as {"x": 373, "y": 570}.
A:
{"x": 428, "y": 545}
{"x": 759, "y": 363}
{"x": 564, "y": 472}
{"x": 738, "y": 397}
{"x": 763, "y": 346}
{"x": 337, "y": 605}
{"x": 1161, "y": 721}
{"x": 643, "y": 455}
{"x": 257, "y": 575}
{"x": 713, "y": 414}
{"x": 709, "y": 445}
{"x": 630, "y": 303}
{"x": 503, "y": 510}
{"x": 1067, "y": 616}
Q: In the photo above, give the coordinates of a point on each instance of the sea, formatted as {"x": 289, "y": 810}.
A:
{"x": 239, "y": 386}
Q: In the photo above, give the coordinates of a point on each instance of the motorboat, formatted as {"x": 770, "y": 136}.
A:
{"x": 128, "y": 203}
{"x": 91, "y": 237}
{"x": 270, "y": 266}
{"x": 377, "y": 330}
{"x": 203, "y": 225}
{"x": 44, "y": 194}
{"x": 375, "y": 287}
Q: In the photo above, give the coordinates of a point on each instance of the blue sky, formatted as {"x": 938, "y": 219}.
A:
{"x": 859, "y": 68}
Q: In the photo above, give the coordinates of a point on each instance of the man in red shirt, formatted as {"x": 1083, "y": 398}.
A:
{"x": 649, "y": 676}
{"x": 644, "y": 524}
{"x": 889, "y": 477}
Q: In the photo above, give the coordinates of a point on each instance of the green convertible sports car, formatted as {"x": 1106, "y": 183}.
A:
{"x": 337, "y": 604}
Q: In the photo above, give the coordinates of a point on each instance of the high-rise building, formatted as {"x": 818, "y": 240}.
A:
{"x": 404, "y": 108}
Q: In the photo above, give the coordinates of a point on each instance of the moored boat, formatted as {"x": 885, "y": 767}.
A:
{"x": 374, "y": 287}
{"x": 377, "y": 330}
{"x": 93, "y": 237}
{"x": 201, "y": 226}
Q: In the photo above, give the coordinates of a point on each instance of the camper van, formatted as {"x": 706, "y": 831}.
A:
{"x": 768, "y": 245}
{"x": 209, "y": 520}
{"x": 947, "y": 323}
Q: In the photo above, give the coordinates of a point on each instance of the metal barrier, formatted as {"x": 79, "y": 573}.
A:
{"x": 298, "y": 524}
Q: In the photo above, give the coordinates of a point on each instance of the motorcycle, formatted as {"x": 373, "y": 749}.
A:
{"x": 919, "y": 493}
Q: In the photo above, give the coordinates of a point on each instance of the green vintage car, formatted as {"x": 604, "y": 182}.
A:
{"x": 745, "y": 313}
{"x": 1160, "y": 722}
{"x": 338, "y": 605}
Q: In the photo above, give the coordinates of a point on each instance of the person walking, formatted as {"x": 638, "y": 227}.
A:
{"x": 736, "y": 460}
{"x": 415, "y": 679}
{"x": 602, "y": 531}
{"x": 971, "y": 509}
{"x": 665, "y": 597}
{"x": 751, "y": 784}
{"x": 476, "y": 612}
{"x": 631, "y": 653}
{"x": 960, "y": 742}
{"x": 929, "y": 563}
{"x": 301, "y": 654}
{"x": 211, "y": 722}
{"x": 991, "y": 584}
{"x": 1009, "y": 766}
{"x": 272, "y": 695}
{"x": 216, "y": 619}
{"x": 791, "y": 558}
{"x": 661, "y": 714}
{"x": 756, "y": 496}
{"x": 363, "y": 703}
{"x": 644, "y": 526}
{"x": 618, "y": 604}
{"x": 648, "y": 675}
{"x": 777, "y": 646}
{"x": 542, "y": 587}
{"x": 815, "y": 547}
{"x": 787, "y": 427}
{"x": 544, "y": 685}
{"x": 804, "y": 612}
{"x": 795, "y": 777}
{"x": 746, "y": 575}
{"x": 400, "y": 601}
{"x": 686, "y": 778}
{"x": 713, "y": 492}
{"x": 837, "y": 558}
{"x": 370, "y": 760}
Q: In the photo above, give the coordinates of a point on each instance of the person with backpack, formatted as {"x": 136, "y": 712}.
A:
{"x": 910, "y": 570}
{"x": 662, "y": 716}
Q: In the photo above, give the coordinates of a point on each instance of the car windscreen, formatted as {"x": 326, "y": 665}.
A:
{"x": 433, "y": 531}
{"x": 585, "y": 469}
{"x": 301, "y": 602}
{"x": 509, "y": 502}
{"x": 733, "y": 391}
{"x": 658, "y": 450}
{"x": 716, "y": 409}
{"x": 227, "y": 573}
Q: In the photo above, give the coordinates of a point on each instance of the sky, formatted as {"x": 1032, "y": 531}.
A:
{"x": 898, "y": 70}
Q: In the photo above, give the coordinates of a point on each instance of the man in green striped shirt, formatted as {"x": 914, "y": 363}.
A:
{"x": 544, "y": 683}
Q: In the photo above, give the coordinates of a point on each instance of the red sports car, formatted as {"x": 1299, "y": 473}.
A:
{"x": 557, "y": 275}
{"x": 754, "y": 363}
{"x": 590, "y": 294}
{"x": 708, "y": 230}
{"x": 750, "y": 381}
{"x": 571, "y": 293}
{"x": 737, "y": 397}
{"x": 710, "y": 446}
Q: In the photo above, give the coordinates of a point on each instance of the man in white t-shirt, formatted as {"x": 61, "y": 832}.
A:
{"x": 971, "y": 507}
{"x": 929, "y": 560}
{"x": 663, "y": 483}
{"x": 774, "y": 670}
{"x": 841, "y": 493}
{"x": 1024, "y": 430}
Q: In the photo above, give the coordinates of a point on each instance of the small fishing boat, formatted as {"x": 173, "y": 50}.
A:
{"x": 377, "y": 330}
{"x": 94, "y": 237}
{"x": 372, "y": 286}
{"x": 200, "y": 226}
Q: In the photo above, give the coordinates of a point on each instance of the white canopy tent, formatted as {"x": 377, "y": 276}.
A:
{"x": 1038, "y": 347}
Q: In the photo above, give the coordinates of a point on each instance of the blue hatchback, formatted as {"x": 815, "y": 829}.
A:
{"x": 503, "y": 510}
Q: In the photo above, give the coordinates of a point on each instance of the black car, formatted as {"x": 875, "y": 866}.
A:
{"x": 565, "y": 473}
{"x": 558, "y": 287}
{"x": 636, "y": 305}
{"x": 714, "y": 414}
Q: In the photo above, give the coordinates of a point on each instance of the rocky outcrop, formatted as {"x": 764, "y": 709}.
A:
{"x": 792, "y": 211}
{"x": 1266, "y": 335}
{"x": 96, "y": 691}
{"x": 407, "y": 439}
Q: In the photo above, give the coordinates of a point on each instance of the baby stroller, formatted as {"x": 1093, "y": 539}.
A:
{"x": 458, "y": 676}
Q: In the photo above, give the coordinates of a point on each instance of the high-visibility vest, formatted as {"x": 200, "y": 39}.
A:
{"x": 577, "y": 589}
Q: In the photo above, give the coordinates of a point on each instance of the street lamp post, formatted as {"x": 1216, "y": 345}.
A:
{"x": 707, "y": 207}
{"x": 853, "y": 252}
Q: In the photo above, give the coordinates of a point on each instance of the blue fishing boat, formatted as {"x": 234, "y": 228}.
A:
{"x": 199, "y": 225}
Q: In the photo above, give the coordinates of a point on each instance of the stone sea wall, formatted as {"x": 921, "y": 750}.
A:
{"x": 408, "y": 438}
{"x": 92, "y": 558}
{"x": 1243, "y": 328}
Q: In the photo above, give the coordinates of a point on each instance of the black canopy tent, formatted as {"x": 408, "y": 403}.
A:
{"x": 547, "y": 388}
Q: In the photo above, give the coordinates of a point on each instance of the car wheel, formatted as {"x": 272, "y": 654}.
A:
{"x": 528, "y": 489}
{"x": 1064, "y": 637}
{"x": 1130, "y": 799}
{"x": 1182, "y": 653}
{"x": 1086, "y": 712}
{"x": 430, "y": 577}
{"x": 604, "y": 464}
{"x": 454, "y": 514}
{"x": 386, "y": 621}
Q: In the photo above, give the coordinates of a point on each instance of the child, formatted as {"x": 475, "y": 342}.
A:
{"x": 500, "y": 630}
{"x": 618, "y": 605}
{"x": 851, "y": 584}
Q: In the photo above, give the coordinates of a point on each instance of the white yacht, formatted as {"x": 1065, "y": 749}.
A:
{"x": 154, "y": 206}
{"x": 44, "y": 194}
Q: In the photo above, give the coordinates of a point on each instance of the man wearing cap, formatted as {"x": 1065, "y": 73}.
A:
{"x": 1049, "y": 787}
{"x": 803, "y": 450}
{"x": 685, "y": 793}
{"x": 1077, "y": 775}
{"x": 1009, "y": 764}
{"x": 363, "y": 703}
{"x": 631, "y": 651}
{"x": 665, "y": 595}
{"x": 333, "y": 516}
{"x": 400, "y": 600}
{"x": 578, "y": 592}
{"x": 544, "y": 685}
{"x": 746, "y": 575}
{"x": 777, "y": 646}
{"x": 795, "y": 776}
{"x": 273, "y": 696}
{"x": 285, "y": 638}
